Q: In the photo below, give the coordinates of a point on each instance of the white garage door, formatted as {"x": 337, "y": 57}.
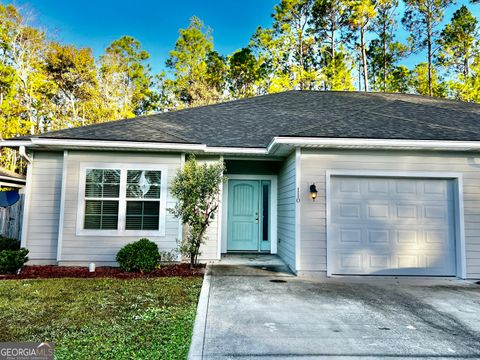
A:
{"x": 391, "y": 226}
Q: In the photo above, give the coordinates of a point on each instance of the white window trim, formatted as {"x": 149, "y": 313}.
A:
{"x": 122, "y": 206}
{"x": 459, "y": 222}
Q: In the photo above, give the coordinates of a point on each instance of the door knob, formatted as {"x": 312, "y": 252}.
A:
{"x": 256, "y": 217}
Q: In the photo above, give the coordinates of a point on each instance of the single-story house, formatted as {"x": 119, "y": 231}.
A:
{"x": 335, "y": 183}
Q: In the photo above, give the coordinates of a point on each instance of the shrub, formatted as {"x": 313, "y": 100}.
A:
{"x": 196, "y": 187}
{"x": 12, "y": 260}
{"x": 9, "y": 244}
{"x": 141, "y": 255}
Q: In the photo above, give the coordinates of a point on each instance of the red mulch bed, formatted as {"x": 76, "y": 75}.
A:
{"x": 52, "y": 271}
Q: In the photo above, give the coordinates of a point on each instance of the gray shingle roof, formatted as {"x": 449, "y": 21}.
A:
{"x": 255, "y": 121}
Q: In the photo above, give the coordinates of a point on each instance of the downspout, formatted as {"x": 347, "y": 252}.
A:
{"x": 23, "y": 153}
{"x": 27, "y": 195}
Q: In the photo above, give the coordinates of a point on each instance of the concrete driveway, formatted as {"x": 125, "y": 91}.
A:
{"x": 243, "y": 314}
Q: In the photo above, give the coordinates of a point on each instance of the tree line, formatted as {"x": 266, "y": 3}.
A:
{"x": 338, "y": 45}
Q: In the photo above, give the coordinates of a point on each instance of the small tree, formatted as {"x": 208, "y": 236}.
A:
{"x": 197, "y": 188}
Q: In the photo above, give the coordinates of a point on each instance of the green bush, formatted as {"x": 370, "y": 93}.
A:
{"x": 12, "y": 260}
{"x": 141, "y": 255}
{"x": 9, "y": 244}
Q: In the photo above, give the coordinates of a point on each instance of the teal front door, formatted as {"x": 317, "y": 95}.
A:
{"x": 248, "y": 220}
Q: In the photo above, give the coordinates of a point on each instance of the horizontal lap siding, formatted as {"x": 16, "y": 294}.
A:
{"x": 86, "y": 248}
{"x": 44, "y": 206}
{"x": 286, "y": 212}
{"x": 208, "y": 250}
{"x": 315, "y": 163}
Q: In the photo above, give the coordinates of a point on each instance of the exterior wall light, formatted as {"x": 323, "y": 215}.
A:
{"x": 313, "y": 192}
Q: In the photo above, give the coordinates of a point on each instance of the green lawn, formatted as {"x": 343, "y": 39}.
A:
{"x": 102, "y": 318}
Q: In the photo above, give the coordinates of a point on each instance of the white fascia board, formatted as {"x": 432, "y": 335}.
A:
{"x": 72, "y": 143}
{"x": 437, "y": 145}
{"x": 236, "y": 150}
{"x": 14, "y": 143}
{"x": 11, "y": 185}
{"x": 392, "y": 144}
{"x": 115, "y": 144}
{"x": 69, "y": 143}
{"x": 13, "y": 179}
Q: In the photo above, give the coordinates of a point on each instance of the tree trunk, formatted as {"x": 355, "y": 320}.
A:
{"x": 364, "y": 58}
{"x": 300, "y": 40}
{"x": 466, "y": 67}
{"x": 384, "y": 55}
{"x": 332, "y": 40}
{"x": 74, "y": 109}
{"x": 429, "y": 54}
{"x": 359, "y": 74}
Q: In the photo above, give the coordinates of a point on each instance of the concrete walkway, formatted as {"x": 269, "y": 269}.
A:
{"x": 258, "y": 310}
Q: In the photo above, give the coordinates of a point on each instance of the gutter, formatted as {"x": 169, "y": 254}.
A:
{"x": 148, "y": 146}
{"x": 388, "y": 144}
{"x": 12, "y": 179}
{"x": 275, "y": 144}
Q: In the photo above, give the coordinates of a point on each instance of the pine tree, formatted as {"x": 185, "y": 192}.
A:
{"x": 421, "y": 18}
{"x": 125, "y": 78}
{"x": 457, "y": 42}
{"x": 362, "y": 12}
{"x": 384, "y": 49}
{"x": 188, "y": 64}
{"x": 244, "y": 71}
{"x": 289, "y": 47}
{"x": 329, "y": 18}
{"x": 74, "y": 73}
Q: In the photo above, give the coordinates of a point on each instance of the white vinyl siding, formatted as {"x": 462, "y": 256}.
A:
{"x": 44, "y": 207}
{"x": 315, "y": 163}
{"x": 86, "y": 248}
{"x": 286, "y": 212}
{"x": 209, "y": 249}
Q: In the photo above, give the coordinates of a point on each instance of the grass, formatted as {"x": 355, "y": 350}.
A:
{"x": 102, "y": 318}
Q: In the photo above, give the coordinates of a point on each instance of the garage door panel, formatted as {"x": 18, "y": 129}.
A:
{"x": 379, "y": 262}
{"x": 436, "y": 237}
{"x": 352, "y": 262}
{"x": 378, "y": 237}
{"x": 348, "y": 211}
{"x": 391, "y": 226}
{"x": 346, "y": 188}
{"x": 406, "y": 212}
{"x": 350, "y": 236}
{"x": 378, "y": 187}
{"x": 378, "y": 212}
{"x": 437, "y": 188}
{"x": 406, "y": 187}
{"x": 406, "y": 237}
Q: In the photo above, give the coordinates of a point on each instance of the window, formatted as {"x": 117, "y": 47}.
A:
{"x": 265, "y": 210}
{"x": 121, "y": 199}
{"x": 145, "y": 185}
{"x": 102, "y": 190}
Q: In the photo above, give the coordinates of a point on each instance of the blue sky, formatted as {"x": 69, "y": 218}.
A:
{"x": 155, "y": 24}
